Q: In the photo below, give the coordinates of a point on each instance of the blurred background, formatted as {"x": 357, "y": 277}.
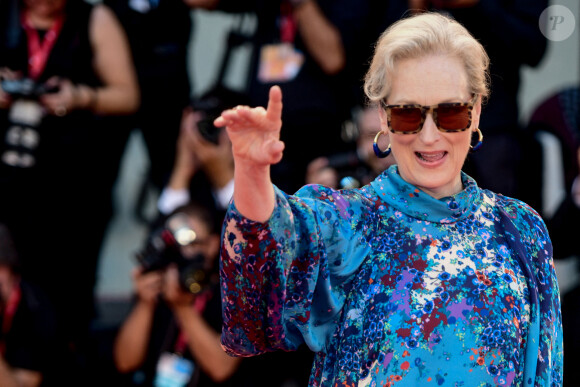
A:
{"x": 560, "y": 68}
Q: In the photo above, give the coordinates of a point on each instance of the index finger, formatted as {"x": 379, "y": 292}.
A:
{"x": 274, "y": 110}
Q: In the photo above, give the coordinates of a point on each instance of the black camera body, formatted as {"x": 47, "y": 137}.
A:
{"x": 163, "y": 248}
{"x": 210, "y": 107}
{"x": 211, "y": 104}
{"x": 208, "y": 130}
{"x": 26, "y": 88}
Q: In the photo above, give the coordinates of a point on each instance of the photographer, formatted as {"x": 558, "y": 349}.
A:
{"x": 27, "y": 323}
{"x": 66, "y": 68}
{"x": 203, "y": 173}
{"x": 172, "y": 334}
{"x": 170, "y": 326}
{"x": 204, "y": 166}
{"x": 352, "y": 169}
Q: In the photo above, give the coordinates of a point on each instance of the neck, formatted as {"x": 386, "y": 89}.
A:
{"x": 41, "y": 20}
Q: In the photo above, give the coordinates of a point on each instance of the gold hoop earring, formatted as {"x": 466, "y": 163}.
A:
{"x": 475, "y": 147}
{"x": 380, "y": 154}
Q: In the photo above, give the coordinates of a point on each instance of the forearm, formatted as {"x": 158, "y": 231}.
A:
{"x": 119, "y": 99}
{"x": 179, "y": 179}
{"x": 220, "y": 173}
{"x": 7, "y": 378}
{"x": 321, "y": 37}
{"x": 114, "y": 100}
{"x": 10, "y": 377}
{"x": 131, "y": 343}
{"x": 204, "y": 344}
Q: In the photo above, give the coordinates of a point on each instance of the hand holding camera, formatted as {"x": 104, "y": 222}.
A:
{"x": 173, "y": 291}
{"x": 6, "y": 75}
{"x": 164, "y": 253}
{"x": 148, "y": 285}
{"x": 215, "y": 156}
{"x": 58, "y": 96}
{"x": 62, "y": 100}
{"x": 201, "y": 148}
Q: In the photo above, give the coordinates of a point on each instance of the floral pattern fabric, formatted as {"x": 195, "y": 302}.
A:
{"x": 390, "y": 286}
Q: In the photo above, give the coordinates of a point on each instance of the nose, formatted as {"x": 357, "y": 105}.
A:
{"x": 429, "y": 132}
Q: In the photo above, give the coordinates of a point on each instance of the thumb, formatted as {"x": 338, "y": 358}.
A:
{"x": 275, "y": 149}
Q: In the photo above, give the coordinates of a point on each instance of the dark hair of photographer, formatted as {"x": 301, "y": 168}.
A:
{"x": 176, "y": 318}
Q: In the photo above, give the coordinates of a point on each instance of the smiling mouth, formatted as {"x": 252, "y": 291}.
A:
{"x": 431, "y": 157}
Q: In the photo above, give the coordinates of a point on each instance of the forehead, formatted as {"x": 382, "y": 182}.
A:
{"x": 429, "y": 80}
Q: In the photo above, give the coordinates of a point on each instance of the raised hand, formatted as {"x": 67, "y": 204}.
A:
{"x": 255, "y": 137}
{"x": 255, "y": 132}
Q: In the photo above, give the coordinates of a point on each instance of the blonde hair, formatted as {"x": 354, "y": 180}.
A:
{"x": 421, "y": 35}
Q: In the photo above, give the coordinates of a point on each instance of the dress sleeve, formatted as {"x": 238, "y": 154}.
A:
{"x": 544, "y": 347}
{"x": 283, "y": 282}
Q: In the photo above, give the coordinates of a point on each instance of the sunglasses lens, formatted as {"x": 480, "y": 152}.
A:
{"x": 405, "y": 119}
{"x": 453, "y": 117}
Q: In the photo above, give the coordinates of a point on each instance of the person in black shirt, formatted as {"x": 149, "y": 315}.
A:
{"x": 173, "y": 330}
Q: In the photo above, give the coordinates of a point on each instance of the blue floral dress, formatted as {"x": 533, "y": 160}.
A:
{"x": 390, "y": 286}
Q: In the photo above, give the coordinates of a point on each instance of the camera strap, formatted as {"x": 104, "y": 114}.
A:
{"x": 38, "y": 51}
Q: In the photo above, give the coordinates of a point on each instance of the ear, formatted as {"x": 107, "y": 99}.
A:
{"x": 476, "y": 114}
{"x": 383, "y": 120}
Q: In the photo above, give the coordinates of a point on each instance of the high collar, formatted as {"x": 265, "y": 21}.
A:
{"x": 411, "y": 201}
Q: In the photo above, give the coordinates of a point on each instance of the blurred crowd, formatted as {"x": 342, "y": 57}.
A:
{"x": 78, "y": 77}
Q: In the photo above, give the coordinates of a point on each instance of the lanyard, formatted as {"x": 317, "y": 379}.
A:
{"x": 288, "y": 25}
{"x": 199, "y": 305}
{"x": 9, "y": 312}
{"x": 38, "y": 51}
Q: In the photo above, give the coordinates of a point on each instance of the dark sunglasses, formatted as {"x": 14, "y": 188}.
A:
{"x": 449, "y": 117}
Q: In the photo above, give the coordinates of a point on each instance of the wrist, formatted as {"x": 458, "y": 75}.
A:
{"x": 182, "y": 308}
{"x": 87, "y": 97}
{"x": 146, "y": 304}
{"x": 179, "y": 180}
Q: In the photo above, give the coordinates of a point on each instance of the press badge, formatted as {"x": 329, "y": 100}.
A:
{"x": 173, "y": 371}
{"x": 279, "y": 63}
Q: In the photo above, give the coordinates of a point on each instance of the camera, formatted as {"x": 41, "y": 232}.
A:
{"x": 211, "y": 104}
{"x": 163, "y": 248}
{"x": 26, "y": 88}
{"x": 208, "y": 130}
{"x": 23, "y": 136}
